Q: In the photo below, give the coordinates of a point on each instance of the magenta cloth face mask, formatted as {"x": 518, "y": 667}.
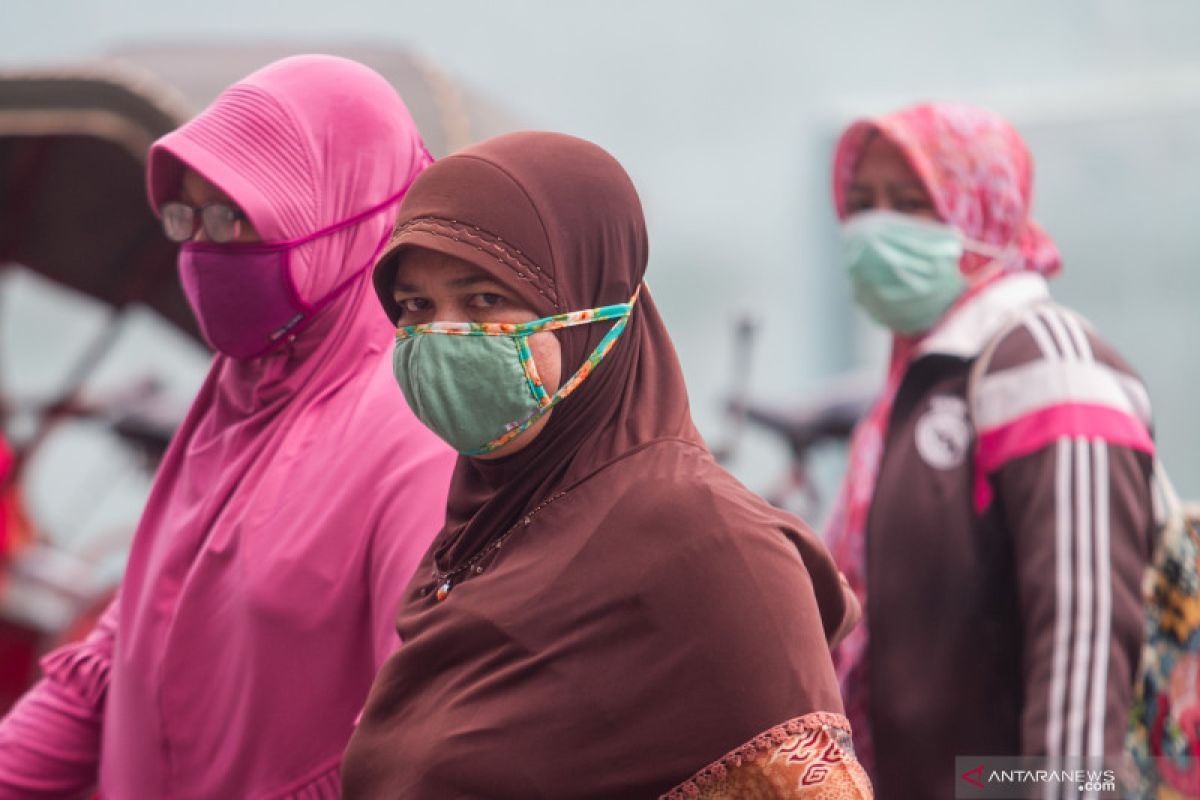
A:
{"x": 244, "y": 296}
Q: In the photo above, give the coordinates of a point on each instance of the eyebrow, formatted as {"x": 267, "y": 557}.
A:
{"x": 190, "y": 199}
{"x": 473, "y": 280}
{"x": 906, "y": 184}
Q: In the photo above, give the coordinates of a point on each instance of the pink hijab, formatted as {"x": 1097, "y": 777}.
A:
{"x": 299, "y": 493}
{"x": 980, "y": 177}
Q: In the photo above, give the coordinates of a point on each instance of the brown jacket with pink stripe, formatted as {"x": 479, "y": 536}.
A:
{"x": 1005, "y": 556}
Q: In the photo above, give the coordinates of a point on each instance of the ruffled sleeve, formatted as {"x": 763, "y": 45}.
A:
{"x": 806, "y": 758}
{"x": 50, "y": 741}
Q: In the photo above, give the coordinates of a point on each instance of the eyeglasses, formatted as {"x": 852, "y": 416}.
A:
{"x": 221, "y": 222}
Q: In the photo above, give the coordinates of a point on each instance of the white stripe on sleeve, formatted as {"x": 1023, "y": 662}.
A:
{"x": 1084, "y": 602}
{"x": 1100, "y": 651}
{"x": 1062, "y": 609}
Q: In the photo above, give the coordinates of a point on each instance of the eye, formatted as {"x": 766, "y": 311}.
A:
{"x": 412, "y": 305}
{"x": 858, "y": 200}
{"x": 224, "y": 213}
{"x": 913, "y": 203}
{"x": 485, "y": 300}
{"x": 857, "y": 204}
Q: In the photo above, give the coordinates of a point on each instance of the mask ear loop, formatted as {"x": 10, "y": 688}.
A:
{"x": 995, "y": 255}
{"x": 289, "y": 246}
{"x": 532, "y": 378}
{"x": 571, "y": 384}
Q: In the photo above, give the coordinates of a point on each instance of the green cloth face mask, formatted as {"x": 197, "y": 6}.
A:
{"x": 903, "y": 269}
{"x": 475, "y": 384}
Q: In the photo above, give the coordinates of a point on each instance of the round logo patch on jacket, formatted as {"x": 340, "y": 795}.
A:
{"x": 944, "y": 433}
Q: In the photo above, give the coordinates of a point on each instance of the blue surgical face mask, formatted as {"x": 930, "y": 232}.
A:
{"x": 904, "y": 270}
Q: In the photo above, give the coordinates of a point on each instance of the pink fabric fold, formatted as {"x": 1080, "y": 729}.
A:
{"x": 49, "y": 744}
{"x": 326, "y": 785}
{"x": 84, "y": 666}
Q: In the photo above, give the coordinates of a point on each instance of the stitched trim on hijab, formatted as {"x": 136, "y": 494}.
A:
{"x": 487, "y": 243}
{"x": 444, "y": 579}
{"x": 835, "y": 726}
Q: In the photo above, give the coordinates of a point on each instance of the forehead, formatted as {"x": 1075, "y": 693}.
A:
{"x": 882, "y": 160}
{"x": 196, "y": 189}
{"x": 418, "y": 267}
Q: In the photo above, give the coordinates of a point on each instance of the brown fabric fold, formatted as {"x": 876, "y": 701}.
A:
{"x": 647, "y": 614}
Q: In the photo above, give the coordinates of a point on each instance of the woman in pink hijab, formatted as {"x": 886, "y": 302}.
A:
{"x": 996, "y": 516}
{"x": 285, "y": 521}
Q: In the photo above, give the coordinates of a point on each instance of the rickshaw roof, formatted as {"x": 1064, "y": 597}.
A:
{"x": 73, "y": 142}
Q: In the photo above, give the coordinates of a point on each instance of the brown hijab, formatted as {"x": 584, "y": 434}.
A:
{"x": 645, "y": 614}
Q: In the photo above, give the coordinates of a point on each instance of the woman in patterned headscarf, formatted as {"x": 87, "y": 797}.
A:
{"x": 996, "y": 516}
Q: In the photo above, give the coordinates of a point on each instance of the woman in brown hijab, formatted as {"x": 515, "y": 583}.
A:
{"x": 607, "y": 613}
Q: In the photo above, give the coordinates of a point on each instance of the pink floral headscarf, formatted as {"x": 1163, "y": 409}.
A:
{"x": 979, "y": 175}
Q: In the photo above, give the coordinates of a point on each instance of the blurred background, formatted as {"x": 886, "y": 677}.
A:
{"x": 725, "y": 114}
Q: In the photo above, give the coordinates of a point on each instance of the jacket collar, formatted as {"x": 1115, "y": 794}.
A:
{"x": 968, "y": 329}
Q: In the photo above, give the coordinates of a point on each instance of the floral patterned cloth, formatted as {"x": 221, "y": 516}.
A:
{"x": 1164, "y": 735}
{"x": 806, "y": 758}
{"x": 979, "y": 176}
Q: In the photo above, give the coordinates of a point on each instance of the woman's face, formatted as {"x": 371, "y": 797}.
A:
{"x": 433, "y": 287}
{"x": 197, "y": 192}
{"x": 885, "y": 182}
